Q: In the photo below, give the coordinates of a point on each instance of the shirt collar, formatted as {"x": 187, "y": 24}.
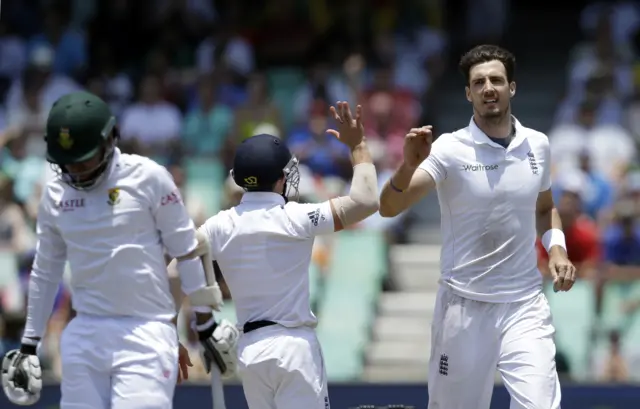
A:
{"x": 262, "y": 197}
{"x": 480, "y": 137}
{"x": 115, "y": 161}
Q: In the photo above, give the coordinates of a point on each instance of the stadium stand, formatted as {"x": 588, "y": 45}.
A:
{"x": 351, "y": 291}
{"x": 401, "y": 340}
{"x": 374, "y": 289}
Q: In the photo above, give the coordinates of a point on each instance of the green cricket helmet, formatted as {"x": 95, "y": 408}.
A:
{"x": 80, "y": 127}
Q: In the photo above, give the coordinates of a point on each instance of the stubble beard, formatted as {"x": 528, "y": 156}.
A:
{"x": 495, "y": 117}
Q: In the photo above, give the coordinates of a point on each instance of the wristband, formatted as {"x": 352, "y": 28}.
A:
{"x": 29, "y": 346}
{"x": 394, "y": 187}
{"x": 554, "y": 237}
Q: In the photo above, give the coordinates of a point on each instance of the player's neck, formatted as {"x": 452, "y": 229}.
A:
{"x": 500, "y": 127}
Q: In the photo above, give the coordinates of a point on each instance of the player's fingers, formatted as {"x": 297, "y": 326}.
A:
{"x": 562, "y": 272}
{"x": 348, "y": 116}
{"x": 333, "y": 132}
{"x": 184, "y": 368}
{"x": 570, "y": 278}
{"x": 335, "y": 114}
{"x": 179, "y": 378}
{"x": 554, "y": 276}
{"x": 359, "y": 116}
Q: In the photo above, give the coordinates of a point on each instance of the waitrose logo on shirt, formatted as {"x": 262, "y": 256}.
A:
{"x": 478, "y": 167}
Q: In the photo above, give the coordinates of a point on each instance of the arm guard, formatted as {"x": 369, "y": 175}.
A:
{"x": 198, "y": 280}
{"x": 362, "y": 201}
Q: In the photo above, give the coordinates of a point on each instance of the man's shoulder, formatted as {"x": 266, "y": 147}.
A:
{"x": 217, "y": 224}
{"x": 535, "y": 136}
{"x": 452, "y": 141}
{"x": 297, "y": 207}
{"x": 54, "y": 188}
{"x": 139, "y": 166}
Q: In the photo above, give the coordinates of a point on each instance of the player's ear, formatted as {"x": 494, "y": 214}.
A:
{"x": 512, "y": 89}
{"x": 467, "y": 92}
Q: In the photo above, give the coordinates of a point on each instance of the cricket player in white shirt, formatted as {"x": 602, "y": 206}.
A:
{"x": 493, "y": 183}
{"x": 112, "y": 217}
{"x": 263, "y": 247}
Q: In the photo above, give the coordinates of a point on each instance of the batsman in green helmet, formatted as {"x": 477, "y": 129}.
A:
{"x": 112, "y": 218}
{"x": 81, "y": 138}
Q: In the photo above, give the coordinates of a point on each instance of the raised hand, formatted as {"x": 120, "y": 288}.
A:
{"x": 417, "y": 145}
{"x": 350, "y": 130}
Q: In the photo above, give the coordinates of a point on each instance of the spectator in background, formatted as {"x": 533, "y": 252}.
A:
{"x": 416, "y": 53}
{"x": 598, "y": 191}
{"x": 603, "y": 53}
{"x": 259, "y": 109}
{"x": 38, "y": 75}
{"x": 169, "y": 78}
{"x": 13, "y": 50}
{"x": 207, "y": 128}
{"x": 225, "y": 45}
{"x": 610, "y": 147}
{"x": 108, "y": 81}
{"x": 26, "y": 169}
{"x": 622, "y": 244}
{"x": 11, "y": 325}
{"x": 28, "y": 120}
{"x": 69, "y": 45}
{"x": 322, "y": 153}
{"x": 623, "y": 15}
{"x": 381, "y": 126}
{"x": 581, "y": 233}
{"x": 322, "y": 84}
{"x": 152, "y": 121}
{"x": 613, "y": 367}
{"x": 406, "y": 108}
{"x": 15, "y": 233}
{"x": 598, "y": 88}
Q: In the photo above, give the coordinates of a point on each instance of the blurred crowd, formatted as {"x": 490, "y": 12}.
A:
{"x": 191, "y": 79}
{"x": 594, "y": 145}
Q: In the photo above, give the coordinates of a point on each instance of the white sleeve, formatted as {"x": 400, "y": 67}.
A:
{"x": 46, "y": 273}
{"x": 209, "y": 229}
{"x": 545, "y": 183}
{"x": 311, "y": 219}
{"x": 176, "y": 228}
{"x": 436, "y": 163}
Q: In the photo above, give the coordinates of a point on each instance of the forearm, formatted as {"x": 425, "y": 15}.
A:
{"x": 41, "y": 297}
{"x": 392, "y": 200}
{"x": 202, "y": 314}
{"x": 175, "y": 286}
{"x": 360, "y": 154}
{"x": 547, "y": 220}
{"x": 362, "y": 200}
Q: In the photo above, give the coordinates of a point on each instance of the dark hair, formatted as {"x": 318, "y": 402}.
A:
{"x": 485, "y": 53}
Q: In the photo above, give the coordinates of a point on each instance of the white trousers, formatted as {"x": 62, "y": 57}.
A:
{"x": 470, "y": 339}
{"x": 282, "y": 368}
{"x": 118, "y": 363}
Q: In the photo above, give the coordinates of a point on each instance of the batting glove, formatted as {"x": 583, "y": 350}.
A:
{"x": 22, "y": 376}
{"x": 219, "y": 346}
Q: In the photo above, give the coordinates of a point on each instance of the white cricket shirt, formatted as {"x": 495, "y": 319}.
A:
{"x": 487, "y": 198}
{"x": 114, "y": 237}
{"x": 263, "y": 247}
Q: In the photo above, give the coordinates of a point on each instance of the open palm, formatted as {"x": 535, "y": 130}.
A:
{"x": 350, "y": 130}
